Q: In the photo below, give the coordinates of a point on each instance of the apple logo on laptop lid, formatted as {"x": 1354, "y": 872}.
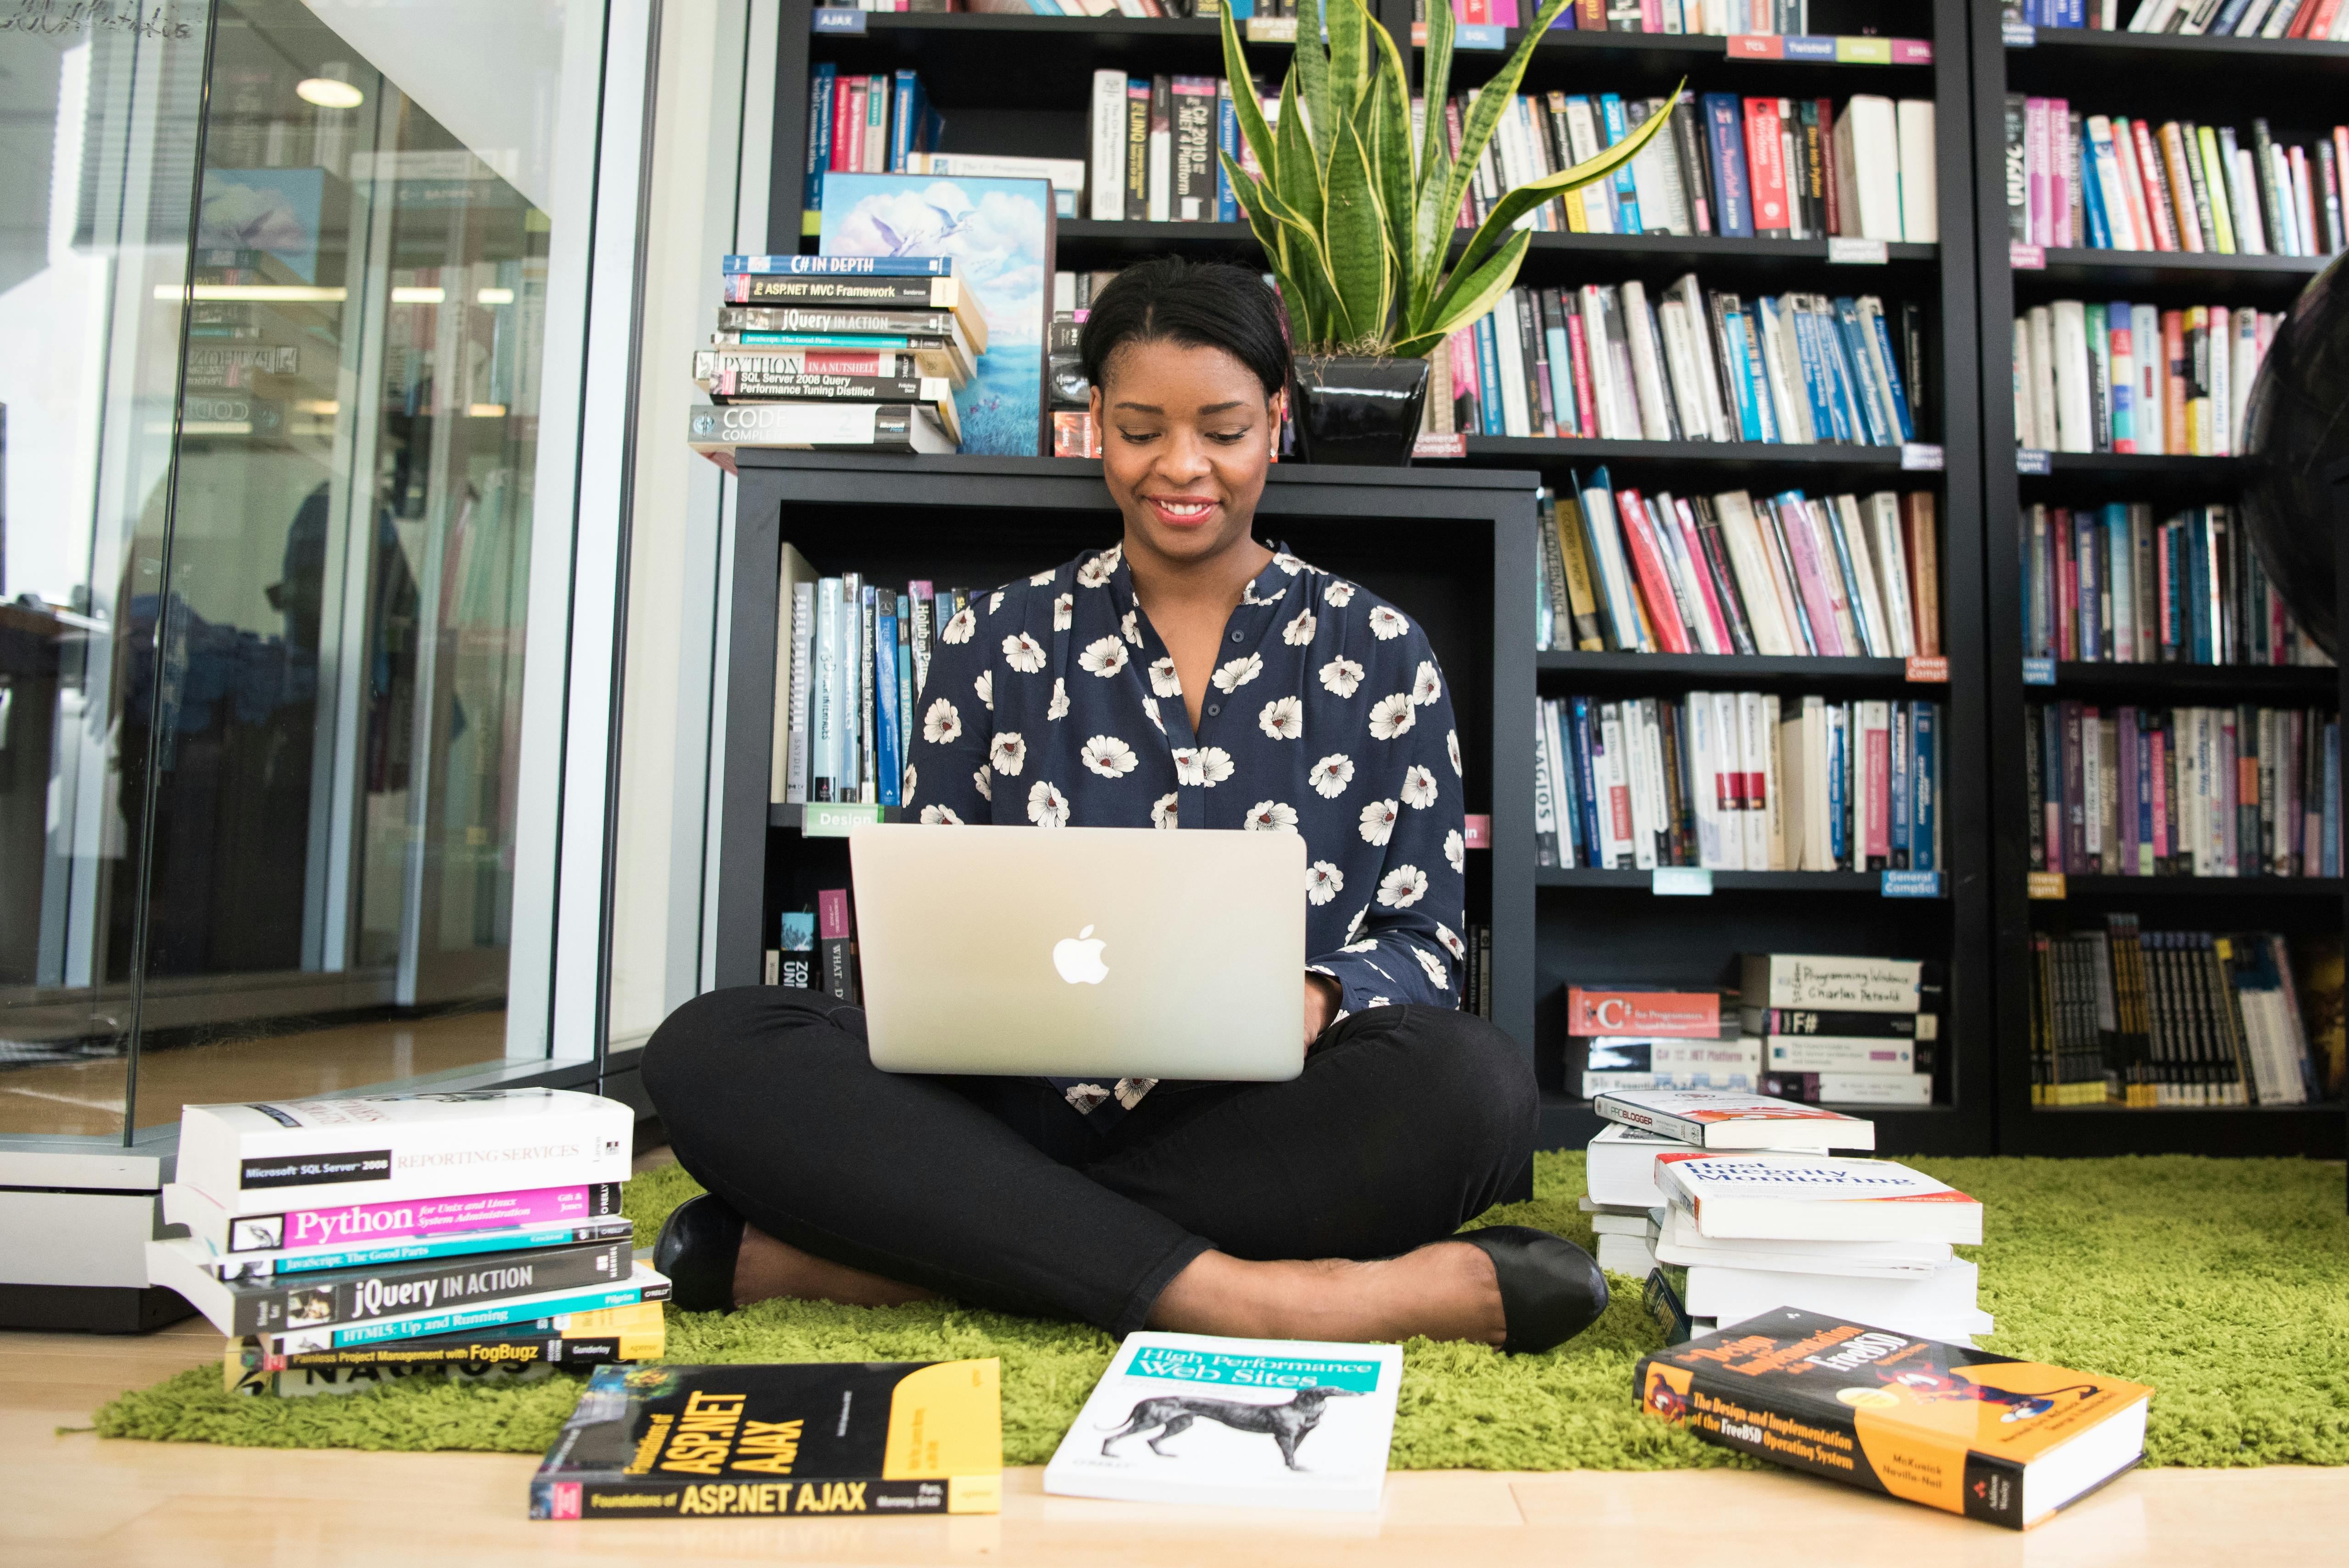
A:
{"x": 1079, "y": 958}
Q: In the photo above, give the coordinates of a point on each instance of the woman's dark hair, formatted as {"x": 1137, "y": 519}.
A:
{"x": 1199, "y": 305}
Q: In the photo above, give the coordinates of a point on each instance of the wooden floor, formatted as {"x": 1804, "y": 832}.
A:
{"x": 71, "y": 1498}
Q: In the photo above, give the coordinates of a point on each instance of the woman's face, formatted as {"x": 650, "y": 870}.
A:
{"x": 1186, "y": 436}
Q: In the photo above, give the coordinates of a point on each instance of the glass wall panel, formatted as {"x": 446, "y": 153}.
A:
{"x": 272, "y": 780}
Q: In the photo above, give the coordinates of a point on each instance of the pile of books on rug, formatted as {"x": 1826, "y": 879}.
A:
{"x": 347, "y": 1243}
{"x": 1812, "y": 1027}
{"x": 837, "y": 353}
{"x": 1741, "y": 1206}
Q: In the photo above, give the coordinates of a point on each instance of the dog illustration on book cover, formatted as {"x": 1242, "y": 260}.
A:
{"x": 1287, "y": 1424}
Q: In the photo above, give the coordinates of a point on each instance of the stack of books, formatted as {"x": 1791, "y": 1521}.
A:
{"x": 2152, "y": 1019}
{"x": 2110, "y": 183}
{"x": 837, "y": 353}
{"x": 2235, "y": 791}
{"x": 2123, "y": 378}
{"x": 1842, "y": 1029}
{"x": 1753, "y": 1213}
{"x": 1739, "y": 782}
{"x": 1069, "y": 396}
{"x": 2110, "y": 584}
{"x": 1739, "y": 167}
{"x": 474, "y": 1233}
{"x": 1842, "y": 576}
{"x": 1612, "y": 364}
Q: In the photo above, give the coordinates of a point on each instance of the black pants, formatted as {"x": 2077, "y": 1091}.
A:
{"x": 1405, "y": 1122}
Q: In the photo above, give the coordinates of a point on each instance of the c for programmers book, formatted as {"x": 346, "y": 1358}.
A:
{"x": 825, "y": 1437}
{"x": 1982, "y": 1435}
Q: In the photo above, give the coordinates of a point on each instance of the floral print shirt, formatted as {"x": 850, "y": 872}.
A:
{"x": 1052, "y": 702}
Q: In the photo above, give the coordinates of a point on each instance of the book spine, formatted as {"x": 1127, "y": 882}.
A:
{"x": 1107, "y": 170}
{"x": 492, "y": 1315}
{"x": 429, "y": 1285}
{"x": 834, "y": 944}
{"x": 652, "y": 1496}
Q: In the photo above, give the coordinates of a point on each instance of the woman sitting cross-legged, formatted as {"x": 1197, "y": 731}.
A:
{"x": 1188, "y": 679}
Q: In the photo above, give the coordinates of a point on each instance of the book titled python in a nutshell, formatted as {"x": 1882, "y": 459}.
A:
{"x": 811, "y": 1437}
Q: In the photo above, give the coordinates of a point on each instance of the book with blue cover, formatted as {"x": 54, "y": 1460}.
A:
{"x": 997, "y": 236}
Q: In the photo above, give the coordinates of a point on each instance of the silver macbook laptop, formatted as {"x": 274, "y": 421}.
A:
{"x": 1100, "y": 953}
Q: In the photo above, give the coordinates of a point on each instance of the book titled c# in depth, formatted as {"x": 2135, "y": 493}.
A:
{"x": 848, "y": 1436}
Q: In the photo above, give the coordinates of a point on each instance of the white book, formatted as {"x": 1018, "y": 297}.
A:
{"x": 1675, "y": 1238}
{"x": 1067, "y": 175}
{"x": 1816, "y": 1197}
{"x": 1648, "y": 798}
{"x": 1876, "y": 1088}
{"x": 1620, "y": 1166}
{"x": 2027, "y": 422}
{"x": 1612, "y": 423}
{"x": 1751, "y": 733}
{"x": 1647, "y": 364}
{"x": 1888, "y": 546}
{"x": 1546, "y": 801}
{"x": 1733, "y": 1295}
{"x": 1729, "y": 782}
{"x": 1869, "y": 142}
{"x": 1704, "y": 771}
{"x": 1517, "y": 408}
{"x": 1781, "y": 826}
{"x": 1868, "y": 611}
{"x": 267, "y": 1155}
{"x": 1108, "y": 158}
{"x": 1782, "y": 368}
{"x": 1655, "y": 175}
{"x": 1588, "y": 1206}
{"x": 794, "y": 686}
{"x": 1819, "y": 845}
{"x": 2222, "y": 379}
{"x": 1849, "y": 1054}
{"x": 1582, "y": 140}
{"x": 1697, "y": 315}
{"x": 1714, "y": 1119}
{"x": 1562, "y": 793}
{"x": 1831, "y": 983}
{"x": 1605, "y": 1222}
{"x": 1740, "y": 534}
{"x": 2075, "y": 430}
{"x": 1161, "y": 184}
{"x": 2252, "y": 238}
{"x": 1921, "y": 222}
{"x": 2043, "y": 378}
{"x": 1611, "y": 768}
{"x": 1248, "y": 1423}
{"x": 1626, "y": 1255}
{"x": 2243, "y": 371}
{"x": 1687, "y": 382}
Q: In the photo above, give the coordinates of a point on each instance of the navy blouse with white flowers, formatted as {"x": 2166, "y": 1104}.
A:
{"x": 1051, "y": 701}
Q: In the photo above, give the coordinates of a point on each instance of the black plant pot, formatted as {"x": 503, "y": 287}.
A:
{"x": 1351, "y": 409}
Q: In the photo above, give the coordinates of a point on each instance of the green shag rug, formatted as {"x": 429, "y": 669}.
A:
{"x": 2222, "y": 1284}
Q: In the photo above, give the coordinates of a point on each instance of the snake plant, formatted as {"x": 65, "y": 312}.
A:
{"x": 1355, "y": 225}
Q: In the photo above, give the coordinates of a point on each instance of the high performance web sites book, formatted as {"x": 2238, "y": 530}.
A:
{"x": 268, "y": 1155}
{"x": 1724, "y": 1119}
{"x": 846, "y": 1437}
{"x": 1982, "y": 1435}
{"x": 1252, "y": 1423}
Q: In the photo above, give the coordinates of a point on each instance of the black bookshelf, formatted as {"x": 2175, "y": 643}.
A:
{"x": 2219, "y": 81}
{"x": 983, "y": 520}
{"x": 1602, "y": 924}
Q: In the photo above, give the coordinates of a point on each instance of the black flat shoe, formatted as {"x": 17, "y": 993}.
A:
{"x": 696, "y": 1249}
{"x": 1550, "y": 1290}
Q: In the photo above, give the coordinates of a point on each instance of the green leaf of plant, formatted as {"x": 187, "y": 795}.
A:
{"x": 1353, "y": 230}
{"x": 1491, "y": 98}
{"x": 1310, "y": 67}
{"x": 1349, "y": 56}
{"x": 1300, "y": 166}
{"x": 1470, "y": 295}
{"x": 1432, "y": 227}
{"x": 1389, "y": 141}
{"x": 1252, "y": 129}
{"x": 1516, "y": 203}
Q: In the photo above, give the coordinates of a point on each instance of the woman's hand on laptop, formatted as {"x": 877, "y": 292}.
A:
{"x": 1320, "y": 1006}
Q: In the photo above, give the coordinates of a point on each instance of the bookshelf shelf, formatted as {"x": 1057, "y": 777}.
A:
{"x": 2230, "y": 276}
{"x": 2092, "y": 1130}
{"x": 1680, "y": 671}
{"x": 2111, "y": 887}
{"x": 1676, "y": 51}
{"x": 1113, "y": 240}
{"x": 1868, "y": 883}
{"x": 2084, "y": 48}
{"x": 2309, "y": 682}
{"x": 1552, "y": 255}
{"x": 1876, "y": 467}
{"x": 2147, "y": 467}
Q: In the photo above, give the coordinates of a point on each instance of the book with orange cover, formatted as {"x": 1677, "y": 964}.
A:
{"x": 1986, "y": 1436}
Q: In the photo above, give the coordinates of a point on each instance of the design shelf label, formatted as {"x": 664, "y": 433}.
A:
{"x": 836, "y": 19}
{"x": 2018, "y": 34}
{"x": 1682, "y": 882}
{"x": 2038, "y": 672}
{"x": 1440, "y": 446}
{"x": 1929, "y": 667}
{"x": 1921, "y": 456}
{"x": 1480, "y": 36}
{"x": 1479, "y": 832}
{"x": 2044, "y": 884}
{"x": 1272, "y": 29}
{"x": 834, "y": 818}
{"x": 2025, "y": 258}
{"x": 2033, "y": 460}
{"x": 1911, "y": 885}
{"x": 1842, "y": 249}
